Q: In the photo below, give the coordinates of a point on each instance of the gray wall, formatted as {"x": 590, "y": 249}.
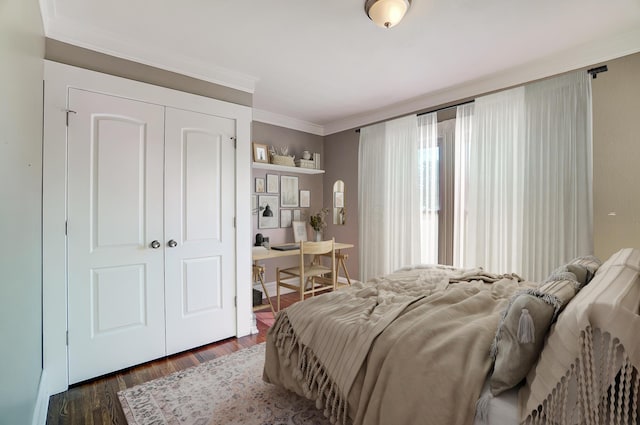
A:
{"x": 21, "y": 74}
{"x": 341, "y": 154}
{"x": 297, "y": 141}
{"x": 69, "y": 54}
{"x": 616, "y": 171}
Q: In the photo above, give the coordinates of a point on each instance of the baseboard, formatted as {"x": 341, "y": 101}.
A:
{"x": 42, "y": 402}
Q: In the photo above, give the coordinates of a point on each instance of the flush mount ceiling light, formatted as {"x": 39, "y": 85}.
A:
{"x": 386, "y": 13}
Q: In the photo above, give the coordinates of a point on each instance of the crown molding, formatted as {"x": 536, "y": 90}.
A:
{"x": 583, "y": 56}
{"x": 71, "y": 32}
{"x": 273, "y": 118}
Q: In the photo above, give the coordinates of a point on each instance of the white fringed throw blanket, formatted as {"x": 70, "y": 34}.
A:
{"x": 588, "y": 370}
{"x": 376, "y": 346}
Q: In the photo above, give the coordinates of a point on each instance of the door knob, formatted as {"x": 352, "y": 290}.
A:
{"x": 155, "y": 244}
{"x": 172, "y": 243}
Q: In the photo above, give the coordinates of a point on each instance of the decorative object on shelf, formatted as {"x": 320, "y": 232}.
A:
{"x": 260, "y": 153}
{"x": 305, "y": 163}
{"x": 316, "y": 161}
{"x": 280, "y": 156}
{"x": 289, "y": 191}
{"x": 318, "y": 223}
{"x": 299, "y": 231}
{"x": 306, "y": 155}
{"x": 386, "y": 13}
{"x": 272, "y": 183}
{"x": 259, "y": 185}
{"x": 305, "y": 199}
{"x": 270, "y": 212}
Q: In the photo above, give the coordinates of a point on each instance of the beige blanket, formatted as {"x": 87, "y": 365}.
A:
{"x": 409, "y": 348}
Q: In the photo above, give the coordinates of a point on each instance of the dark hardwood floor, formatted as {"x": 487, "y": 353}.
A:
{"x": 96, "y": 402}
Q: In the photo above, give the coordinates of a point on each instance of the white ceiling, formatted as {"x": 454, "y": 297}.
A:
{"x": 323, "y": 66}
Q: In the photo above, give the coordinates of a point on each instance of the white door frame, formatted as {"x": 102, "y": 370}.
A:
{"x": 58, "y": 78}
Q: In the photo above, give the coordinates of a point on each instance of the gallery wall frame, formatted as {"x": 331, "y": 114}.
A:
{"x": 285, "y": 218}
{"x": 259, "y": 185}
{"x": 269, "y": 212}
{"x": 289, "y": 197}
{"x": 272, "y": 183}
{"x": 305, "y": 198}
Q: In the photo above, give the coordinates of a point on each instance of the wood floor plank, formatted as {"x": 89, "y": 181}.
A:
{"x": 96, "y": 402}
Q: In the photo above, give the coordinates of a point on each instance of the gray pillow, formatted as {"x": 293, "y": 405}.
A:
{"x": 513, "y": 359}
{"x": 590, "y": 262}
{"x": 522, "y": 331}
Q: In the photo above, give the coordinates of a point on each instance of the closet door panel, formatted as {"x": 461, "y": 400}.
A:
{"x": 199, "y": 228}
{"x": 115, "y": 202}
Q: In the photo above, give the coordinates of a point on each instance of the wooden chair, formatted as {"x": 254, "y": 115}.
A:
{"x": 312, "y": 275}
{"x": 258, "y": 273}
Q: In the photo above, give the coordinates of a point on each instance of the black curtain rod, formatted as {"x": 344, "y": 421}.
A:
{"x": 439, "y": 109}
{"x": 447, "y": 107}
{"x": 597, "y": 70}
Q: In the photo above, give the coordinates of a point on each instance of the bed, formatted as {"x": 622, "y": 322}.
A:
{"x": 439, "y": 345}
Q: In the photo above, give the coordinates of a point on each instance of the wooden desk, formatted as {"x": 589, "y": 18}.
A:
{"x": 260, "y": 253}
{"x": 267, "y": 254}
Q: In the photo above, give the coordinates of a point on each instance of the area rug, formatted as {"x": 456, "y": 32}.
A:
{"x": 228, "y": 390}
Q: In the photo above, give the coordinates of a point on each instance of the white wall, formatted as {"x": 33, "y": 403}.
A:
{"x": 21, "y": 73}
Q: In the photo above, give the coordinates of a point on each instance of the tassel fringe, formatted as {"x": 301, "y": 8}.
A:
{"x": 483, "y": 406}
{"x": 526, "y": 328}
{"x": 608, "y": 387}
{"x": 315, "y": 382}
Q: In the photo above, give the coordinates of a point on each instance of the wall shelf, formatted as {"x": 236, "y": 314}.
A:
{"x": 286, "y": 169}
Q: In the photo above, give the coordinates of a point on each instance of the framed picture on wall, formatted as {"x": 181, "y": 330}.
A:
{"x": 259, "y": 185}
{"x": 260, "y": 153}
{"x": 296, "y": 215}
{"x": 289, "y": 191}
{"x": 268, "y": 212}
{"x": 305, "y": 199}
{"x": 299, "y": 231}
{"x": 285, "y": 218}
{"x": 272, "y": 183}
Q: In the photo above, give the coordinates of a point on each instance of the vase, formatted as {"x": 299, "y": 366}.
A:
{"x": 318, "y": 236}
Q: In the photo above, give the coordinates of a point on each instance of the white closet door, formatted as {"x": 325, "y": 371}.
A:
{"x": 115, "y": 212}
{"x": 199, "y": 229}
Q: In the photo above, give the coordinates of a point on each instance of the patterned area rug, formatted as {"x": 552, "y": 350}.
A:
{"x": 228, "y": 390}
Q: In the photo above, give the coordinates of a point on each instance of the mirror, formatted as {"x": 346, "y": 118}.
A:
{"x": 339, "y": 210}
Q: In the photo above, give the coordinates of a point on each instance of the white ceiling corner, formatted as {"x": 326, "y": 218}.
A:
{"x": 333, "y": 69}
{"x": 279, "y": 120}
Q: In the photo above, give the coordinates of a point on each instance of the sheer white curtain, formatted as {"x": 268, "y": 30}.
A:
{"x": 463, "y": 136}
{"x": 388, "y": 197}
{"x": 557, "y": 210}
{"x": 494, "y": 196}
{"x": 527, "y": 192}
{"x": 446, "y": 144}
{"x": 429, "y": 169}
